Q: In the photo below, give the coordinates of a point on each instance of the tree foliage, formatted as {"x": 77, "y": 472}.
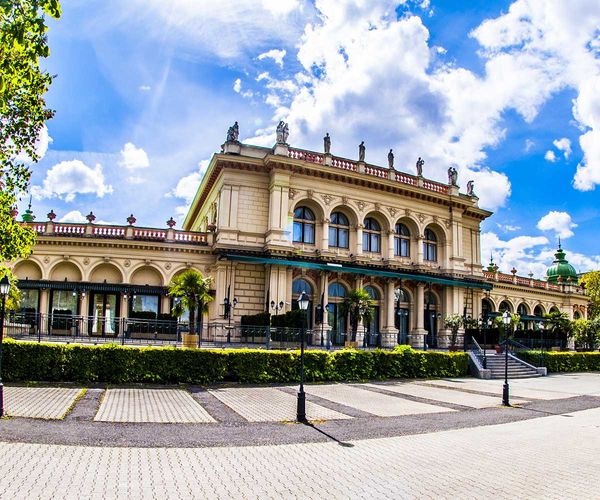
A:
{"x": 193, "y": 292}
{"x": 591, "y": 281}
{"x": 358, "y": 305}
{"x": 23, "y": 111}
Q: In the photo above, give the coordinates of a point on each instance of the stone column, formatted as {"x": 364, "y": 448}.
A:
{"x": 389, "y": 333}
{"x": 416, "y": 337}
{"x": 359, "y": 239}
{"x": 325, "y": 235}
{"x": 324, "y": 328}
{"x": 361, "y": 330}
{"x": 390, "y": 246}
{"x": 278, "y": 209}
{"x": 44, "y": 309}
{"x": 84, "y": 311}
{"x": 420, "y": 250}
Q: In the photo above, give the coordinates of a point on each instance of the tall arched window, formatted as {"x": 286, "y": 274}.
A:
{"x": 401, "y": 241}
{"x": 304, "y": 226}
{"x": 338, "y": 230}
{"x": 430, "y": 246}
{"x": 372, "y": 292}
{"x": 505, "y": 306}
{"x": 538, "y": 311}
{"x": 371, "y": 236}
{"x": 301, "y": 285}
{"x": 336, "y": 290}
{"x": 522, "y": 310}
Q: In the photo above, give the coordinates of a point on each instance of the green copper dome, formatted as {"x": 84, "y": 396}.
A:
{"x": 561, "y": 268}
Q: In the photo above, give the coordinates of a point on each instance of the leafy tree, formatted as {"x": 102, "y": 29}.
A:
{"x": 357, "y": 305}
{"x": 454, "y": 322}
{"x": 587, "y": 333}
{"x": 23, "y": 111}
{"x": 591, "y": 281}
{"x": 193, "y": 291}
{"x": 558, "y": 323}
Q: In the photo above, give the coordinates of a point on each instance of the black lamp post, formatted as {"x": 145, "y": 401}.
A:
{"x": 505, "y": 389}
{"x": 541, "y": 327}
{"x": 229, "y": 306}
{"x": 301, "y": 408}
{"x": 4, "y": 289}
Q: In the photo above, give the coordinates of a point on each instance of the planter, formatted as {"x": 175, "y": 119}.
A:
{"x": 190, "y": 341}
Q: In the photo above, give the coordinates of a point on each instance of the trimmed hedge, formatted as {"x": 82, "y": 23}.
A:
{"x": 24, "y": 361}
{"x": 565, "y": 361}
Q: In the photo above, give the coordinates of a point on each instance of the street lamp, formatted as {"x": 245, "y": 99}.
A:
{"x": 230, "y": 306}
{"x": 4, "y": 289}
{"x": 301, "y": 409}
{"x": 505, "y": 389}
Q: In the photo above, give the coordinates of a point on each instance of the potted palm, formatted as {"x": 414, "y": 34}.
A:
{"x": 358, "y": 305}
{"x": 193, "y": 291}
{"x": 453, "y": 322}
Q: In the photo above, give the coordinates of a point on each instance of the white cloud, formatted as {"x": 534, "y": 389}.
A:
{"x": 237, "y": 85}
{"x": 520, "y": 252}
{"x": 559, "y": 222}
{"x": 563, "y": 145}
{"x": 145, "y": 88}
{"x": 550, "y": 156}
{"x": 280, "y": 7}
{"x": 187, "y": 187}
{"x": 275, "y": 54}
{"x": 508, "y": 227}
{"x": 41, "y": 146}
{"x": 133, "y": 158}
{"x": 68, "y": 178}
{"x": 73, "y": 216}
{"x": 529, "y": 145}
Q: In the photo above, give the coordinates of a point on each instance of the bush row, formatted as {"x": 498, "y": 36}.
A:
{"x": 23, "y": 361}
{"x": 565, "y": 361}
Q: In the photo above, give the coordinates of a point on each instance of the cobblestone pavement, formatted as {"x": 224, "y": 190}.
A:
{"x": 438, "y": 394}
{"x": 371, "y": 402}
{"x": 151, "y": 405}
{"x": 39, "y": 402}
{"x": 268, "y": 404}
{"x": 555, "y": 457}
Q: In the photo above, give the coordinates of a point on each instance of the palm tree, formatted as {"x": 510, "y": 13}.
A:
{"x": 558, "y": 323}
{"x": 358, "y": 305}
{"x": 193, "y": 291}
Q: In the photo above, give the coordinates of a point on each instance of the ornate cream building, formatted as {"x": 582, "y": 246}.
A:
{"x": 268, "y": 223}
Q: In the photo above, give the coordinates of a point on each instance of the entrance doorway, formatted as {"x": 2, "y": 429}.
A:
{"x": 104, "y": 308}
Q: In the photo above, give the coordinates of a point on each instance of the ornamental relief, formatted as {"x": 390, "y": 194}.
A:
{"x": 292, "y": 193}
{"x": 327, "y": 199}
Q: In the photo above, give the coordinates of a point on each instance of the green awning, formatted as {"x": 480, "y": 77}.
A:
{"x": 91, "y": 287}
{"x": 343, "y": 268}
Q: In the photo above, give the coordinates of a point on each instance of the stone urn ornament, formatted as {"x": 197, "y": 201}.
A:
{"x": 131, "y": 220}
{"x": 51, "y": 216}
{"x": 90, "y": 217}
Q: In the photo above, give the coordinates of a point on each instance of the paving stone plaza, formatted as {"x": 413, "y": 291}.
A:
{"x": 446, "y": 438}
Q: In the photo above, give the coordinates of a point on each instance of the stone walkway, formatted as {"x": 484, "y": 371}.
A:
{"x": 39, "y": 402}
{"x": 556, "y": 457}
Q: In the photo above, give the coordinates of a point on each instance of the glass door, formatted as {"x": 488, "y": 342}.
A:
{"x": 402, "y": 322}
{"x": 103, "y": 311}
{"x": 338, "y": 322}
{"x": 372, "y": 329}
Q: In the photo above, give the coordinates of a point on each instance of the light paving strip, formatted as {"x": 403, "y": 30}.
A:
{"x": 371, "y": 402}
{"x": 268, "y": 404}
{"x": 39, "y": 402}
{"x": 151, "y": 405}
{"x": 440, "y": 394}
{"x": 493, "y": 387}
{"x": 523, "y": 464}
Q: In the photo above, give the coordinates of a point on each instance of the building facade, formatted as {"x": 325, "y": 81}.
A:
{"x": 269, "y": 223}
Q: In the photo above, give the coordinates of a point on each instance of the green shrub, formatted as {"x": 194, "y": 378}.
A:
{"x": 564, "y": 361}
{"x": 115, "y": 364}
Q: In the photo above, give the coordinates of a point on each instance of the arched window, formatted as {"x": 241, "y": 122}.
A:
{"x": 371, "y": 236}
{"x": 372, "y": 292}
{"x": 538, "y": 311}
{"x": 487, "y": 307}
{"x": 522, "y": 310}
{"x": 304, "y": 225}
{"x": 576, "y": 315}
{"x": 505, "y": 306}
{"x": 301, "y": 285}
{"x": 554, "y": 309}
{"x": 336, "y": 290}
{"x": 338, "y": 230}
{"x": 430, "y": 246}
{"x": 401, "y": 295}
{"x": 430, "y": 299}
{"x": 401, "y": 241}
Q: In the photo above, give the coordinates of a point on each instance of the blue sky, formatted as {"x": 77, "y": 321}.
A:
{"x": 509, "y": 92}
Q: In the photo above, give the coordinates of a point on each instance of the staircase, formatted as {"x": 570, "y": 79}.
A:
{"x": 516, "y": 368}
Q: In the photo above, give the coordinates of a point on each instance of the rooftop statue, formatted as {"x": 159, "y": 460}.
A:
{"x": 391, "y": 160}
{"x": 361, "y": 151}
{"x": 420, "y": 163}
{"x": 327, "y": 143}
{"x": 233, "y": 133}
{"x": 471, "y": 188}
{"x": 282, "y": 132}
{"x": 452, "y": 176}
